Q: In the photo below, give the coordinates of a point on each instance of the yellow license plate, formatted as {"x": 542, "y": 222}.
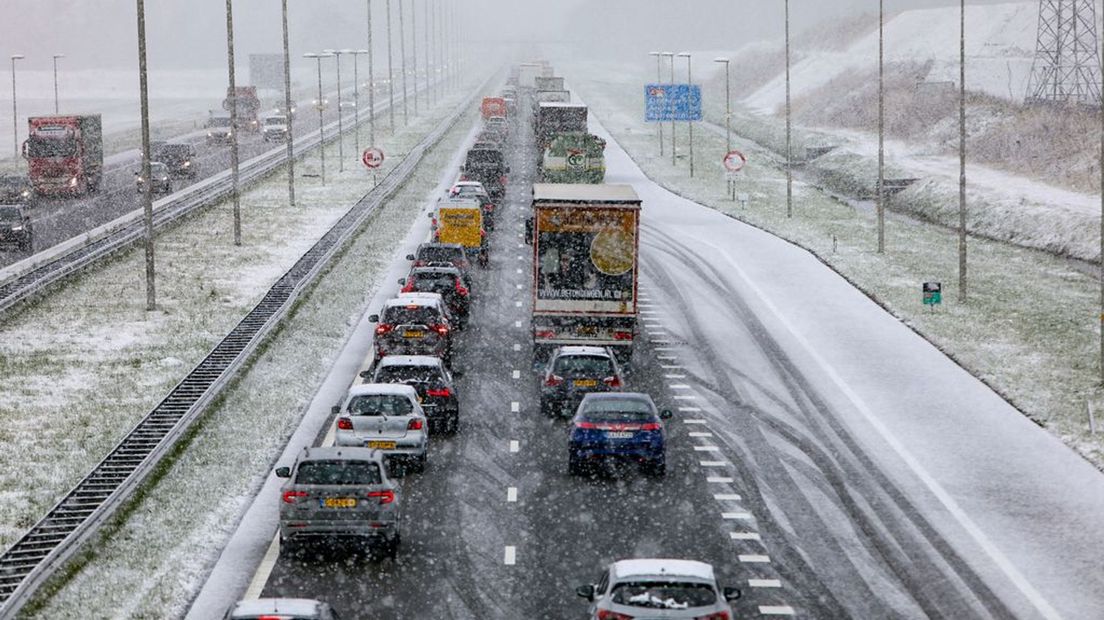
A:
{"x": 585, "y": 382}
{"x": 588, "y": 331}
{"x": 339, "y": 502}
{"x": 382, "y": 445}
{"x": 413, "y": 334}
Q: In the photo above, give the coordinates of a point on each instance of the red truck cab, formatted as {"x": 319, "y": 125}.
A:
{"x": 64, "y": 154}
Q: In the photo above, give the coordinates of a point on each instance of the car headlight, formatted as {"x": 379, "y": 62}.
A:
{"x": 210, "y": 134}
{"x": 17, "y": 228}
{"x": 73, "y": 182}
{"x": 140, "y": 179}
{"x": 187, "y": 164}
{"x": 26, "y": 193}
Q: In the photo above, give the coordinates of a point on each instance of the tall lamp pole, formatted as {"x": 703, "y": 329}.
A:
{"x": 728, "y": 106}
{"x": 659, "y": 79}
{"x": 402, "y": 57}
{"x": 232, "y": 97}
{"x": 414, "y": 48}
{"x": 689, "y": 123}
{"x": 340, "y": 113}
{"x": 320, "y": 106}
{"x": 289, "y": 137}
{"x": 789, "y": 147}
{"x": 962, "y": 152}
{"x": 147, "y": 190}
{"x": 430, "y": 93}
{"x": 390, "y": 72}
{"x": 56, "y": 56}
{"x": 439, "y": 20}
{"x": 15, "y": 111}
{"x": 671, "y": 57}
{"x": 881, "y": 127}
{"x": 371, "y": 82}
{"x": 356, "y": 96}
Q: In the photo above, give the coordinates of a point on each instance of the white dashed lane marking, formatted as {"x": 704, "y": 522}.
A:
{"x": 691, "y": 410}
{"x": 514, "y": 445}
{"x": 754, "y": 559}
{"x": 516, "y": 374}
{"x": 744, "y": 536}
{"x": 678, "y": 386}
{"x": 515, "y": 407}
{"x": 511, "y": 494}
{"x": 719, "y": 479}
{"x": 765, "y": 583}
{"x": 517, "y": 347}
{"x": 510, "y": 556}
{"x": 776, "y": 610}
{"x": 674, "y": 376}
{"x": 713, "y": 463}
{"x": 706, "y": 449}
{"x": 726, "y": 497}
{"x": 736, "y": 516}
{"x": 517, "y": 323}
{"x": 701, "y": 434}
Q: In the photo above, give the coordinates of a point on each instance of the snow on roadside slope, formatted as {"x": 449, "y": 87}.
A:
{"x": 999, "y": 48}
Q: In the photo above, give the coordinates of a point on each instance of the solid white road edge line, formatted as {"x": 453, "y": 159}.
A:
{"x": 264, "y": 571}
{"x": 956, "y": 511}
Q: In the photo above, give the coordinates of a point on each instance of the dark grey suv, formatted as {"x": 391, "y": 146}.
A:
{"x": 334, "y": 494}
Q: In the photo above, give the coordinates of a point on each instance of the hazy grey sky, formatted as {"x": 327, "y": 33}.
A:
{"x": 191, "y": 33}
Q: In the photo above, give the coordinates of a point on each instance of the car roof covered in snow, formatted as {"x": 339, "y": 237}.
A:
{"x": 586, "y": 193}
{"x": 582, "y": 350}
{"x": 414, "y": 299}
{"x": 392, "y": 389}
{"x": 663, "y": 568}
{"x": 282, "y": 606}
{"x": 409, "y": 360}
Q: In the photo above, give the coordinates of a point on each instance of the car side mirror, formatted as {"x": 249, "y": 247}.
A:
{"x": 507, "y": 170}
{"x": 402, "y": 281}
{"x": 283, "y": 472}
{"x": 586, "y": 592}
{"x": 731, "y": 594}
{"x": 461, "y": 168}
{"x": 366, "y": 374}
{"x": 336, "y": 409}
{"x": 529, "y": 231}
{"x": 666, "y": 414}
{"x": 373, "y": 318}
{"x": 457, "y": 373}
{"x": 409, "y": 257}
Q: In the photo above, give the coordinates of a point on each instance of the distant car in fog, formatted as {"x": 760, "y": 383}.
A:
{"x": 179, "y": 157}
{"x": 274, "y": 128}
{"x": 281, "y": 609}
{"x": 15, "y": 189}
{"x": 16, "y": 228}
{"x": 658, "y": 588}
{"x": 160, "y": 179}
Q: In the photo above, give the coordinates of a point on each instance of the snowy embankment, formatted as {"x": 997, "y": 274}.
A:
{"x": 1028, "y": 329}
{"x": 91, "y": 351}
{"x": 1003, "y": 202}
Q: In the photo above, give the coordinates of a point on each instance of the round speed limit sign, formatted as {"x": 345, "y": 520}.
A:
{"x": 372, "y": 157}
{"x": 734, "y": 161}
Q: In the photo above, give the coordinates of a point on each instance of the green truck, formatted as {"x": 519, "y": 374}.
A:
{"x": 574, "y": 157}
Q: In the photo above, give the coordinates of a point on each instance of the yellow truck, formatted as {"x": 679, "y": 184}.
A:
{"x": 460, "y": 220}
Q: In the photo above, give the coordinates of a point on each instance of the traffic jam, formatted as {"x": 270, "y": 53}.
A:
{"x": 346, "y": 496}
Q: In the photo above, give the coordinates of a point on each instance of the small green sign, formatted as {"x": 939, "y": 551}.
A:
{"x": 933, "y": 293}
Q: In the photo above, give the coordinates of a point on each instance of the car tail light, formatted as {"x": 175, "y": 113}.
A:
{"x": 502, "y": 180}
{"x": 464, "y": 177}
{"x": 553, "y": 381}
{"x": 344, "y": 424}
{"x": 385, "y": 497}
{"x": 720, "y": 615}
{"x": 291, "y": 497}
{"x": 442, "y": 330}
{"x": 544, "y": 333}
{"x": 419, "y": 263}
{"x": 409, "y": 286}
{"x": 384, "y": 329}
{"x": 414, "y": 425}
{"x": 586, "y": 425}
{"x": 613, "y": 382}
{"x": 622, "y": 335}
{"x": 461, "y": 289}
{"x": 650, "y": 426}
{"x": 612, "y": 615}
{"x": 439, "y": 392}
{"x": 490, "y": 207}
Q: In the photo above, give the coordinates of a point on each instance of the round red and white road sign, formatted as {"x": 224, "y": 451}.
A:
{"x": 373, "y": 157}
{"x": 734, "y": 161}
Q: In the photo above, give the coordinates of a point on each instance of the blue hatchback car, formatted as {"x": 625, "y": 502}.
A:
{"x": 622, "y": 425}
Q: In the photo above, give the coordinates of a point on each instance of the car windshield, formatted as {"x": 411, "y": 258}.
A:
{"x": 583, "y": 366}
{"x": 61, "y": 146}
{"x": 618, "y": 410}
{"x": 411, "y": 315}
{"x": 337, "y": 472}
{"x": 484, "y": 157}
{"x": 380, "y": 404}
{"x": 408, "y": 374}
{"x": 219, "y": 121}
{"x": 663, "y": 595}
{"x": 275, "y": 120}
{"x": 440, "y": 254}
{"x": 170, "y": 151}
{"x": 9, "y": 214}
{"x": 434, "y": 282}
{"x": 158, "y": 168}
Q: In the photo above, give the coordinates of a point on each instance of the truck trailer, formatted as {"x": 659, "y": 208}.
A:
{"x": 585, "y": 260}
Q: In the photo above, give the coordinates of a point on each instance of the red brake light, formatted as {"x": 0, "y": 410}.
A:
{"x": 464, "y": 177}
{"x": 720, "y": 615}
{"x": 384, "y": 329}
{"x": 622, "y": 335}
{"x": 440, "y": 392}
{"x": 650, "y": 426}
{"x": 502, "y": 179}
{"x": 612, "y": 615}
{"x": 544, "y": 333}
{"x": 385, "y": 497}
{"x": 553, "y": 380}
{"x": 344, "y": 424}
{"x": 414, "y": 425}
{"x": 490, "y": 207}
{"x": 586, "y": 425}
{"x": 409, "y": 286}
{"x": 614, "y": 381}
{"x": 461, "y": 289}
{"x": 441, "y": 329}
{"x": 291, "y": 497}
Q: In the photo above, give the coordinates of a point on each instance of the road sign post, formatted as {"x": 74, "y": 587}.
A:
{"x": 373, "y": 159}
{"x": 933, "y": 294}
{"x": 734, "y": 161}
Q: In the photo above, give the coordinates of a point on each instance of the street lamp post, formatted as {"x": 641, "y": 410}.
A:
{"x": 232, "y": 97}
{"x": 881, "y": 127}
{"x": 290, "y": 135}
{"x": 356, "y": 96}
{"x": 15, "y": 110}
{"x": 439, "y": 20}
{"x": 340, "y": 114}
{"x": 390, "y": 72}
{"x": 728, "y": 116}
{"x": 789, "y": 149}
{"x": 371, "y": 82}
{"x": 402, "y": 57}
{"x": 690, "y": 123}
{"x": 671, "y": 56}
{"x": 428, "y": 51}
{"x": 962, "y": 152}
{"x": 414, "y": 48}
{"x": 56, "y": 56}
{"x": 320, "y": 106}
{"x": 147, "y": 190}
{"x": 659, "y": 79}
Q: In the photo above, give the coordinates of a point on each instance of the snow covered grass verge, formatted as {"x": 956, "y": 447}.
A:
{"x": 85, "y": 362}
{"x": 1029, "y": 329}
{"x": 153, "y": 559}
